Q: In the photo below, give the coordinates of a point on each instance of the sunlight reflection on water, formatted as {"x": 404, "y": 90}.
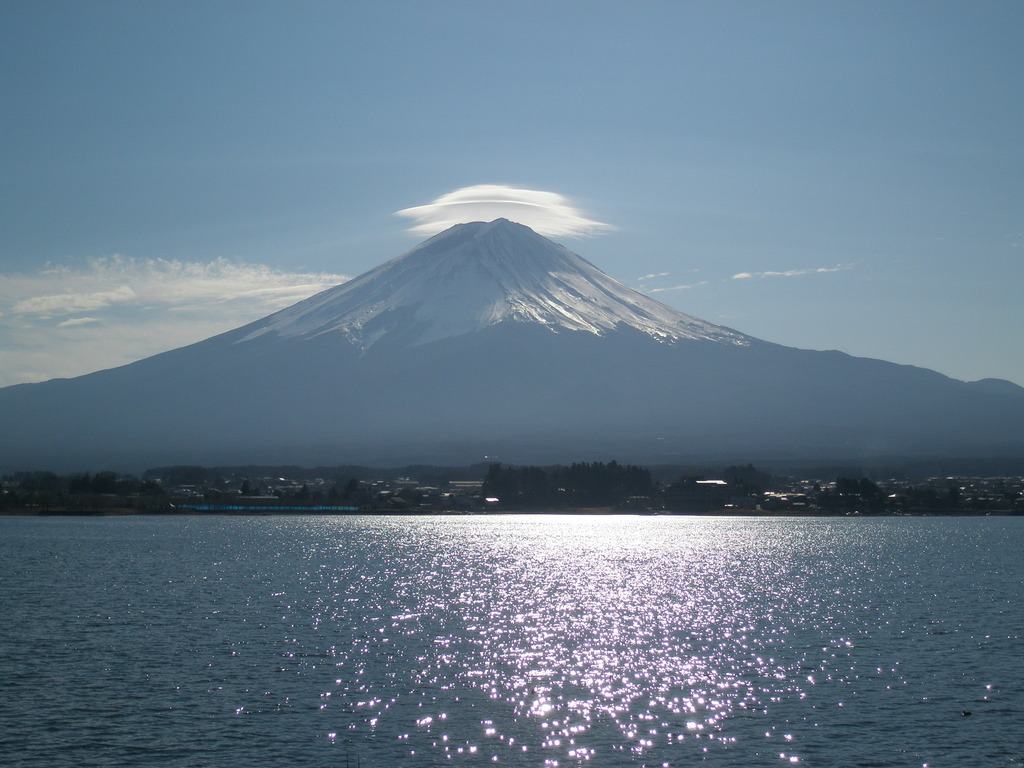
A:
{"x": 578, "y": 638}
{"x": 528, "y": 641}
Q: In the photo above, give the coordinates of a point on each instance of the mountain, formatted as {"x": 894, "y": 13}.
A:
{"x": 473, "y": 276}
{"x": 489, "y": 340}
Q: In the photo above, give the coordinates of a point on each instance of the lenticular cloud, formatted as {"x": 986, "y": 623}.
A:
{"x": 547, "y": 213}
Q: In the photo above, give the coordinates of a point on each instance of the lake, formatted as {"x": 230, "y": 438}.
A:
{"x": 518, "y": 640}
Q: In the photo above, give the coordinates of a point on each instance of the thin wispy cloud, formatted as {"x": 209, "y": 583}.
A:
{"x": 792, "y": 272}
{"x": 678, "y": 287}
{"x": 737, "y": 276}
{"x": 547, "y": 213}
{"x": 68, "y": 303}
{"x": 73, "y": 319}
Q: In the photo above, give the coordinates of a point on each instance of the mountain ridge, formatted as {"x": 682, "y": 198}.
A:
{"x": 477, "y": 274}
{"x": 418, "y": 362}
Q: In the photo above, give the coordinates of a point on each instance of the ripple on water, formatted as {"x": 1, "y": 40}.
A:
{"x": 519, "y": 640}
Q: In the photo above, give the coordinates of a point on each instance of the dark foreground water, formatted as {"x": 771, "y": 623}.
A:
{"x": 516, "y": 641}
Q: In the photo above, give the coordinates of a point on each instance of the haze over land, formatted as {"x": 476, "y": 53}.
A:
{"x": 836, "y": 176}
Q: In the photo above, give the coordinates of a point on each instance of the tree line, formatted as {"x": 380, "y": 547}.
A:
{"x": 584, "y": 484}
{"x": 50, "y": 490}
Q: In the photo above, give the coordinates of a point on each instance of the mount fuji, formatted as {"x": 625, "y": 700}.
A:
{"x": 489, "y": 340}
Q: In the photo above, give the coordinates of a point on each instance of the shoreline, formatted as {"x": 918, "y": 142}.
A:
{"x": 592, "y": 511}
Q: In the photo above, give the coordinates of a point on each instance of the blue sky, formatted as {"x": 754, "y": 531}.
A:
{"x": 828, "y": 175}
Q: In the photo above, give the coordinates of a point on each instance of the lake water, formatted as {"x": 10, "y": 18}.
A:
{"x": 511, "y": 640}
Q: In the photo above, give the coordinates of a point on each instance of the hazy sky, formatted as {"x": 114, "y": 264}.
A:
{"x": 829, "y": 175}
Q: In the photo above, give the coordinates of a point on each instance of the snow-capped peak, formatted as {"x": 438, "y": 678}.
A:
{"x": 479, "y": 274}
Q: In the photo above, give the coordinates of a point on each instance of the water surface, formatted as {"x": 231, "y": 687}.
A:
{"x": 511, "y": 640}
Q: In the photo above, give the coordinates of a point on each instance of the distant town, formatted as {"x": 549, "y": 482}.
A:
{"x": 595, "y": 487}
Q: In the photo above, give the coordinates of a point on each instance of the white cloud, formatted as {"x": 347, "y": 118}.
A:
{"x": 73, "y": 319}
{"x": 678, "y": 287}
{"x": 547, "y": 213}
{"x": 792, "y": 272}
{"x": 740, "y": 276}
{"x": 65, "y": 303}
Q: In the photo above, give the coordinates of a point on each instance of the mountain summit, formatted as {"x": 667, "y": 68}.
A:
{"x": 476, "y": 275}
{"x": 489, "y": 340}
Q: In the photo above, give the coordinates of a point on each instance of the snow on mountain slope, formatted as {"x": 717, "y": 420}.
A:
{"x": 475, "y": 275}
{"x": 535, "y": 355}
